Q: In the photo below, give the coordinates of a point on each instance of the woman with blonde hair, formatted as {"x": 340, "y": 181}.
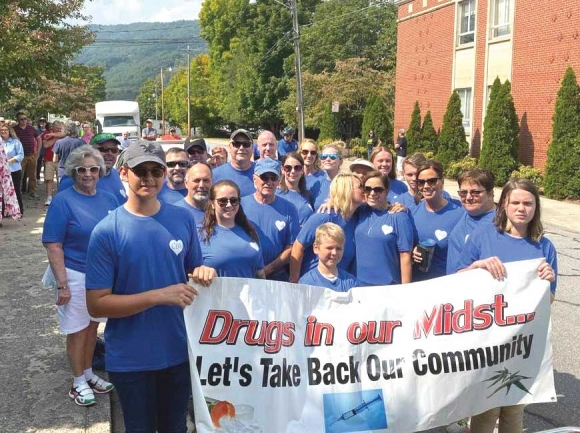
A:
{"x": 345, "y": 196}
{"x": 330, "y": 161}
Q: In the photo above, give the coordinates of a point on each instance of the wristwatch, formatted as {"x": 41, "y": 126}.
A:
{"x": 62, "y": 287}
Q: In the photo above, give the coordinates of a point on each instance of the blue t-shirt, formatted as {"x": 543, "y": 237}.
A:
{"x": 243, "y": 178}
{"x": 489, "y": 242}
{"x": 284, "y": 147}
{"x": 381, "y": 236}
{"x": 313, "y": 178}
{"x": 407, "y": 199}
{"x": 133, "y": 254}
{"x": 301, "y": 203}
{"x": 307, "y": 236}
{"x": 320, "y": 191}
{"x": 111, "y": 183}
{"x": 170, "y": 196}
{"x": 64, "y": 146}
{"x": 437, "y": 226}
{"x": 71, "y": 218}
{"x": 465, "y": 227}
{"x": 276, "y": 223}
{"x": 396, "y": 188}
{"x": 198, "y": 214}
{"x": 343, "y": 283}
{"x": 232, "y": 252}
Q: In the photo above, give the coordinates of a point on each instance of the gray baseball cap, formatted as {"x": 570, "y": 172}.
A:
{"x": 143, "y": 151}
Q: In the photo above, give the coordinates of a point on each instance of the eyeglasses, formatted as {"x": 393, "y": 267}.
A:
{"x": 432, "y": 182}
{"x": 113, "y": 150}
{"x": 194, "y": 151}
{"x": 309, "y": 152}
{"x": 375, "y": 189}
{"x": 20, "y": 119}
{"x": 474, "y": 192}
{"x": 269, "y": 177}
{"x": 143, "y": 172}
{"x": 223, "y": 201}
{"x": 182, "y": 164}
{"x": 94, "y": 169}
{"x": 332, "y": 156}
{"x": 244, "y": 144}
{"x": 288, "y": 168}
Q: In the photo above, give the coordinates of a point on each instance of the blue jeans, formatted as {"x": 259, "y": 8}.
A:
{"x": 154, "y": 400}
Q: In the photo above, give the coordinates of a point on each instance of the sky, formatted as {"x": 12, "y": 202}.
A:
{"x": 132, "y": 11}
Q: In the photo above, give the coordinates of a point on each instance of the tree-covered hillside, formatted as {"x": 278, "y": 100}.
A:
{"x": 132, "y": 53}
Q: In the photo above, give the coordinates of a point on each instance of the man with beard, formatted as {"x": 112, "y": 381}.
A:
{"x": 240, "y": 169}
{"x": 174, "y": 188}
{"x": 198, "y": 181}
{"x": 196, "y": 148}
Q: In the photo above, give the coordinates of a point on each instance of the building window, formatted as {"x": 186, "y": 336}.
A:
{"x": 501, "y": 18}
{"x": 466, "y": 22}
{"x": 465, "y": 95}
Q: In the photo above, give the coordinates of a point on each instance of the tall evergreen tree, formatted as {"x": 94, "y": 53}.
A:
{"x": 428, "y": 138}
{"x": 414, "y": 130}
{"x": 501, "y": 131}
{"x": 452, "y": 143}
{"x": 330, "y": 124}
{"x": 377, "y": 118}
{"x": 562, "y": 180}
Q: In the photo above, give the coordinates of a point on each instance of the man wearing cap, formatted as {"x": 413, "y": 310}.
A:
{"x": 31, "y": 143}
{"x": 361, "y": 166}
{"x": 198, "y": 181}
{"x": 240, "y": 169}
{"x": 275, "y": 219}
{"x": 63, "y": 147}
{"x": 196, "y": 148}
{"x": 149, "y": 133}
{"x": 287, "y": 144}
{"x": 139, "y": 258}
{"x": 172, "y": 135}
{"x": 267, "y": 145}
{"x": 174, "y": 188}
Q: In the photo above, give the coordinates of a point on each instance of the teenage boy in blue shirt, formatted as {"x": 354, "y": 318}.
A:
{"x": 139, "y": 257}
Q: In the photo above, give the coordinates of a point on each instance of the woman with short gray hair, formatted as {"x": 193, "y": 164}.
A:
{"x": 69, "y": 222}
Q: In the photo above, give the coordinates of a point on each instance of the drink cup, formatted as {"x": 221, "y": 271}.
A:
{"x": 426, "y": 249}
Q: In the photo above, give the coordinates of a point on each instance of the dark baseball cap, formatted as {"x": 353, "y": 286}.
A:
{"x": 243, "y": 132}
{"x": 194, "y": 142}
{"x": 143, "y": 151}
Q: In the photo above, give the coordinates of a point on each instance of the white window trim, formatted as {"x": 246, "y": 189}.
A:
{"x": 459, "y": 21}
{"x": 466, "y": 108}
{"x": 494, "y": 27}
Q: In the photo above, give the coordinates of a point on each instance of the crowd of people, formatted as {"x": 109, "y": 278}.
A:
{"x": 129, "y": 227}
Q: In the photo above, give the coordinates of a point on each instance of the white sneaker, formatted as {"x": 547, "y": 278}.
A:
{"x": 48, "y": 200}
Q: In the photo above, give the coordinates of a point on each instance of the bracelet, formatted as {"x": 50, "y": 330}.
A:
{"x": 62, "y": 287}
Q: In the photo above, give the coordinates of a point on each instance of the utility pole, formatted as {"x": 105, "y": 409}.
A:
{"x": 298, "y": 65}
{"x": 188, "y": 93}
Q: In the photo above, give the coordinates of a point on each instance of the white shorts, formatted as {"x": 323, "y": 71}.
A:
{"x": 74, "y": 316}
{"x": 400, "y": 160}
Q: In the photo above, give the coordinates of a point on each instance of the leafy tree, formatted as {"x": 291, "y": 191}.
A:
{"x": 501, "y": 133}
{"x": 414, "y": 131}
{"x": 149, "y": 99}
{"x": 377, "y": 118}
{"x": 428, "y": 139}
{"x": 452, "y": 143}
{"x": 38, "y": 42}
{"x": 562, "y": 180}
{"x": 330, "y": 124}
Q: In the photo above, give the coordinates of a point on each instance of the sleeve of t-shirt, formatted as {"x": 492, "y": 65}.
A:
{"x": 552, "y": 259}
{"x": 100, "y": 271}
{"x": 307, "y": 234}
{"x": 470, "y": 253}
{"x": 56, "y": 148}
{"x": 194, "y": 256}
{"x": 55, "y": 223}
{"x": 294, "y": 222}
{"x": 405, "y": 235}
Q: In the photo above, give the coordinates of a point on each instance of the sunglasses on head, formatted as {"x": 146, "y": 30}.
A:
{"x": 94, "y": 169}
{"x": 474, "y": 192}
{"x": 268, "y": 177}
{"x": 332, "y": 156}
{"x": 431, "y": 182}
{"x": 244, "y": 144}
{"x": 182, "y": 164}
{"x": 375, "y": 189}
{"x": 289, "y": 168}
{"x": 194, "y": 151}
{"x": 223, "y": 201}
{"x": 309, "y": 152}
{"x": 113, "y": 150}
{"x": 144, "y": 172}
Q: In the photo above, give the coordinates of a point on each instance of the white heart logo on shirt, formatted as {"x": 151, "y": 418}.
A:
{"x": 466, "y": 237}
{"x": 123, "y": 193}
{"x": 176, "y": 246}
{"x": 255, "y": 246}
{"x": 440, "y": 234}
{"x": 387, "y": 229}
{"x": 280, "y": 225}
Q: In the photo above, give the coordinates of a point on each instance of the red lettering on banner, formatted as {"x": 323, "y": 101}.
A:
{"x": 372, "y": 332}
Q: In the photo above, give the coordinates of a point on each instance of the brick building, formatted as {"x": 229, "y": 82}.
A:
{"x": 464, "y": 45}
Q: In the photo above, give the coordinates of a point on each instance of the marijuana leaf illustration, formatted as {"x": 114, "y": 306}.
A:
{"x": 507, "y": 379}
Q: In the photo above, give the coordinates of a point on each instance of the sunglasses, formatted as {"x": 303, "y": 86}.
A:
{"x": 474, "y": 192}
{"x": 432, "y": 182}
{"x": 244, "y": 144}
{"x": 289, "y": 168}
{"x": 309, "y": 152}
{"x": 375, "y": 189}
{"x": 269, "y": 178}
{"x": 113, "y": 150}
{"x": 193, "y": 151}
{"x": 332, "y": 156}
{"x": 94, "y": 169}
{"x": 143, "y": 172}
{"x": 223, "y": 201}
{"x": 182, "y": 164}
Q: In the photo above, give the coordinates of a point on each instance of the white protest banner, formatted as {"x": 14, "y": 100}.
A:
{"x": 277, "y": 357}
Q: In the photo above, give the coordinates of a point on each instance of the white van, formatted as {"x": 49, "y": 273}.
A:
{"x": 117, "y": 117}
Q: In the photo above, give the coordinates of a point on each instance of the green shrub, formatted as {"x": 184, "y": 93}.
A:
{"x": 455, "y": 168}
{"x": 377, "y": 118}
{"x": 526, "y": 172}
{"x": 413, "y": 133}
{"x": 452, "y": 143}
{"x": 329, "y": 124}
{"x": 428, "y": 138}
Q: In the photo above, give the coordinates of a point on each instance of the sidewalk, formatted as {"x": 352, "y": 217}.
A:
{"x": 555, "y": 213}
